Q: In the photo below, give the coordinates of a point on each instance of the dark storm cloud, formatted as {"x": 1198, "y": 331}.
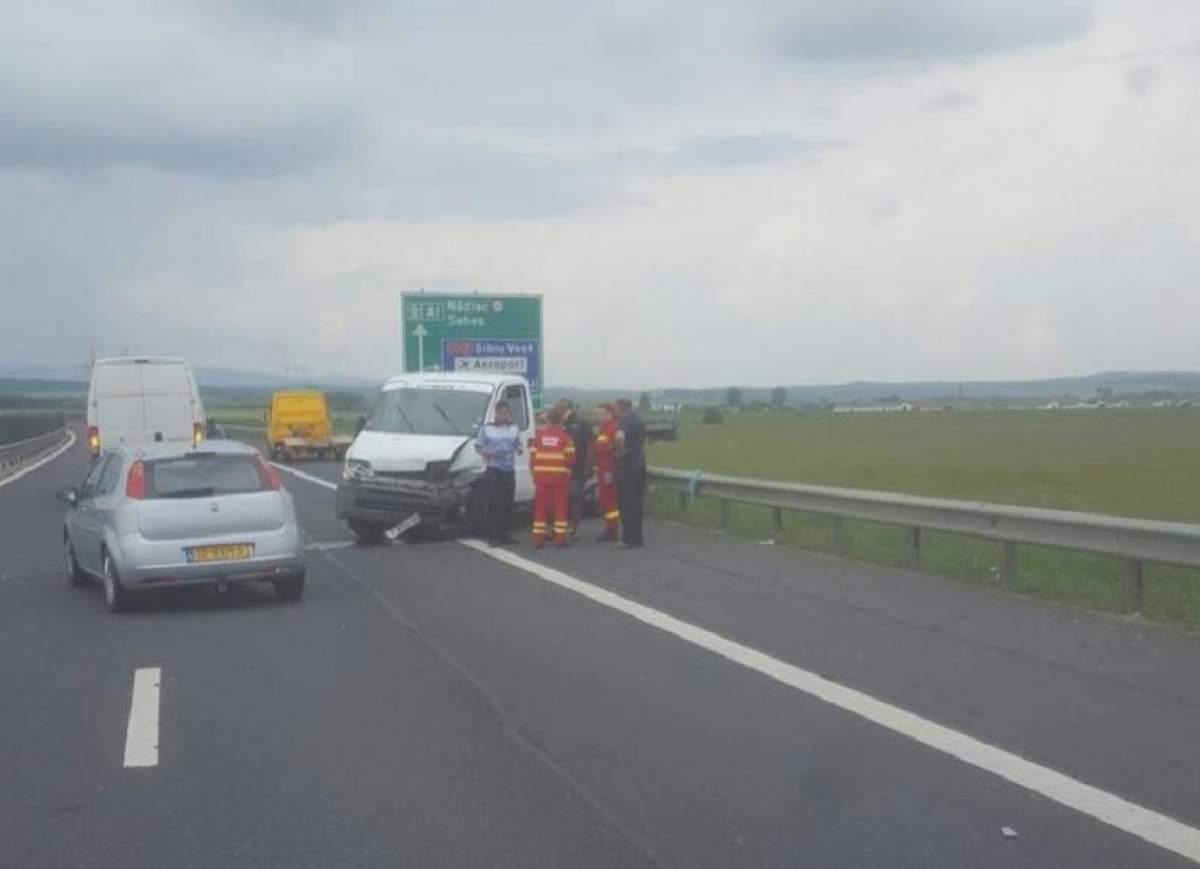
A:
{"x": 922, "y": 30}
{"x": 231, "y": 151}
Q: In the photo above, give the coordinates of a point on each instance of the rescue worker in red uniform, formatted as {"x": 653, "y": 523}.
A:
{"x": 551, "y": 456}
{"x": 606, "y": 473}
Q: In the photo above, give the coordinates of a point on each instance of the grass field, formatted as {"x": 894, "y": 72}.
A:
{"x": 1135, "y": 462}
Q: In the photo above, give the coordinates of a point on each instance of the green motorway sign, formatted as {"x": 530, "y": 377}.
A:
{"x": 470, "y": 332}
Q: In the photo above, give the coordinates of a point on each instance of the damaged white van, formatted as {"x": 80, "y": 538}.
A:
{"x": 414, "y": 456}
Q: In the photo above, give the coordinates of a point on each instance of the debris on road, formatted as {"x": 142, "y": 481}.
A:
{"x": 770, "y": 541}
{"x": 1008, "y": 832}
{"x": 393, "y": 534}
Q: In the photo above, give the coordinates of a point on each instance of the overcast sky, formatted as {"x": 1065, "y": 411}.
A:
{"x": 705, "y": 193}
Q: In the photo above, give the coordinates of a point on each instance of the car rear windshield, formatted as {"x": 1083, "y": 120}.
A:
{"x": 202, "y": 476}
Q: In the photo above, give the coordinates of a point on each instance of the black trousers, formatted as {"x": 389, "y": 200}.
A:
{"x": 501, "y": 487}
{"x": 575, "y": 502}
{"x": 631, "y": 493}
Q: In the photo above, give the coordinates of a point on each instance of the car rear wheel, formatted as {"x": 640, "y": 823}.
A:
{"x": 365, "y": 532}
{"x": 76, "y": 575}
{"x": 115, "y": 594}
{"x": 290, "y": 589}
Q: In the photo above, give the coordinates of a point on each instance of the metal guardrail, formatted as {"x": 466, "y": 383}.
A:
{"x": 1135, "y": 540}
{"x": 14, "y": 455}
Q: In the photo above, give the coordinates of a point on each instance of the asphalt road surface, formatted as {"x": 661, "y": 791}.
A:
{"x": 701, "y": 702}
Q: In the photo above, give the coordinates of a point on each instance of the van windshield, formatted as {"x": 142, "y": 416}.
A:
{"x": 429, "y": 411}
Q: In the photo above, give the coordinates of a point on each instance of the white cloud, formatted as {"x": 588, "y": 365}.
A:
{"x": 695, "y": 208}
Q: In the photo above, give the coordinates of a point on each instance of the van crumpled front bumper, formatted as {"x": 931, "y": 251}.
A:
{"x": 388, "y": 502}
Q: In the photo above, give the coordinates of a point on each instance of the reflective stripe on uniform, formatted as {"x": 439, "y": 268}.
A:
{"x": 548, "y": 456}
{"x": 553, "y": 469}
{"x": 613, "y": 514}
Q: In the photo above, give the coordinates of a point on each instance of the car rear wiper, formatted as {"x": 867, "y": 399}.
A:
{"x": 189, "y": 493}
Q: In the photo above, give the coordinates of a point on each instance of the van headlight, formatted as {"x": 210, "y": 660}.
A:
{"x": 357, "y": 469}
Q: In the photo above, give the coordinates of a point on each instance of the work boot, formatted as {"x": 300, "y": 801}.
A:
{"x": 538, "y": 543}
{"x": 561, "y": 543}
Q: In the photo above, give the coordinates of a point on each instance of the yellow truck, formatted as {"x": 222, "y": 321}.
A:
{"x": 299, "y": 425}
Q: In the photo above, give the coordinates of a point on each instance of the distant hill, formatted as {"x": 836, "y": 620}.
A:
{"x": 1120, "y": 382}
{"x": 14, "y": 378}
{"x": 238, "y": 386}
{"x": 236, "y": 378}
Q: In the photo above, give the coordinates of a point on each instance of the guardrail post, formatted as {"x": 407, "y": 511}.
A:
{"x": 839, "y": 535}
{"x": 1011, "y": 563}
{"x": 683, "y": 499}
{"x": 912, "y": 552}
{"x": 724, "y": 513}
{"x": 777, "y": 517}
{"x": 1134, "y": 585}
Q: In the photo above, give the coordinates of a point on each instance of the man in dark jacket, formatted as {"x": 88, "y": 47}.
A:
{"x": 631, "y": 472}
{"x": 581, "y": 435}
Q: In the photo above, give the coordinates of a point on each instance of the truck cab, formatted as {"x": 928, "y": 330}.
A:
{"x": 415, "y": 454}
{"x": 299, "y": 424}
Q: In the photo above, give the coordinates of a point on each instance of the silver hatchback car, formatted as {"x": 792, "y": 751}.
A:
{"x": 167, "y": 515}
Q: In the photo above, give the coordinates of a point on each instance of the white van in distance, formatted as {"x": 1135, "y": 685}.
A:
{"x": 138, "y": 400}
{"x": 415, "y": 455}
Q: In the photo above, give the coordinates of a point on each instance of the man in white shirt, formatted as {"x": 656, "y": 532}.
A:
{"x": 499, "y": 444}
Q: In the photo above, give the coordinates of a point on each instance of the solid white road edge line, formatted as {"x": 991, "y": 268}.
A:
{"x": 1158, "y": 829}
{"x": 42, "y": 461}
{"x": 1148, "y": 825}
{"x": 141, "y": 736}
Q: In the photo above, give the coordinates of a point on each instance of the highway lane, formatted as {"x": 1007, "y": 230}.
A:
{"x": 427, "y": 705}
{"x": 316, "y": 734}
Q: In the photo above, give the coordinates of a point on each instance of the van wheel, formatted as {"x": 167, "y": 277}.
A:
{"x": 290, "y": 589}
{"x": 115, "y": 595}
{"x": 365, "y": 532}
{"x": 76, "y": 575}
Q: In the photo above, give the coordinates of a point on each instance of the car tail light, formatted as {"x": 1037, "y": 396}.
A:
{"x": 93, "y": 437}
{"x": 135, "y": 483}
{"x": 197, "y": 433}
{"x": 270, "y": 476}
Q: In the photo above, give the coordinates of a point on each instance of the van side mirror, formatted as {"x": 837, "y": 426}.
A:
{"x": 69, "y": 496}
{"x": 360, "y": 425}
